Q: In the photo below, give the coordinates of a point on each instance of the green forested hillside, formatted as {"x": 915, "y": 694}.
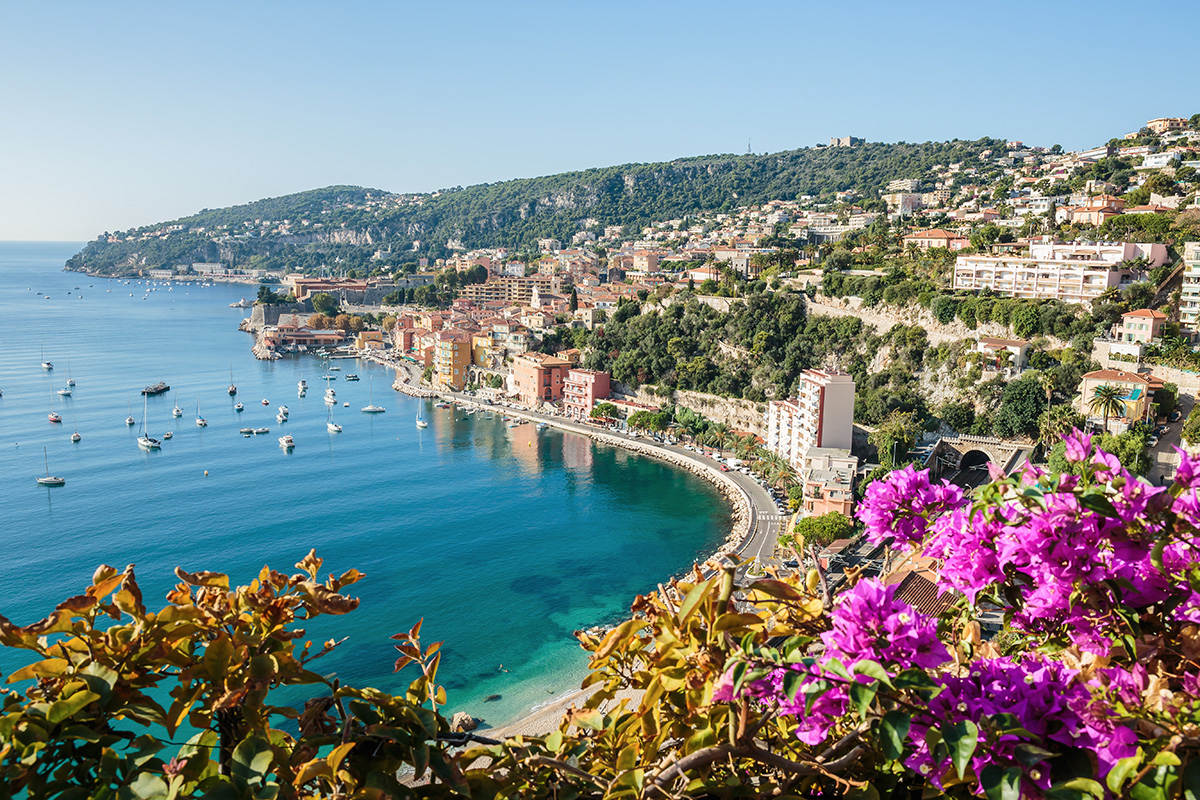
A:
{"x": 349, "y": 224}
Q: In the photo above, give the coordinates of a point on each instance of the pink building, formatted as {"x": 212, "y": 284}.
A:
{"x": 1140, "y": 326}
{"x": 538, "y": 378}
{"x": 581, "y": 389}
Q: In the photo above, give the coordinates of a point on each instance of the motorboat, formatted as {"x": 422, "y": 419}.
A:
{"x": 303, "y": 384}
{"x": 65, "y": 391}
{"x": 157, "y": 388}
{"x": 281, "y": 418}
{"x": 54, "y": 416}
{"x": 266, "y": 402}
{"x": 345, "y": 405}
{"x": 246, "y": 431}
{"x": 287, "y": 442}
{"x": 239, "y": 407}
{"x": 260, "y": 431}
{"x": 168, "y": 435}
{"x": 283, "y": 410}
{"x": 351, "y": 377}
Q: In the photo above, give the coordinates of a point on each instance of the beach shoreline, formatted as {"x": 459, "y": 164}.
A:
{"x": 546, "y": 719}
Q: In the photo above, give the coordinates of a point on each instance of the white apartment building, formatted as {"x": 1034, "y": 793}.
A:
{"x": 1189, "y": 302}
{"x": 820, "y": 415}
{"x": 903, "y": 185}
{"x": 1073, "y": 272}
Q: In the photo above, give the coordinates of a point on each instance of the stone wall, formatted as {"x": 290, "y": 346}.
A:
{"x": 884, "y": 317}
{"x": 262, "y": 316}
{"x": 742, "y": 415}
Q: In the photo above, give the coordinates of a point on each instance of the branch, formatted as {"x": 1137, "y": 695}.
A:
{"x": 554, "y": 763}
{"x": 711, "y": 755}
{"x": 462, "y": 737}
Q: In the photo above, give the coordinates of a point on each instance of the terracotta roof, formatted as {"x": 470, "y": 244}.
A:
{"x": 934, "y": 233}
{"x": 923, "y": 594}
{"x": 1145, "y": 312}
{"x": 1003, "y": 342}
{"x": 1117, "y": 375}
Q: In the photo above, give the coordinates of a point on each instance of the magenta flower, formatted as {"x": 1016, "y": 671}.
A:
{"x": 901, "y": 506}
{"x": 1079, "y": 446}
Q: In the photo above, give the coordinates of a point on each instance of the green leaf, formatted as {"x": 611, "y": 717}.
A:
{"x": 872, "y": 669}
{"x": 554, "y": 741}
{"x": 216, "y": 658}
{"x": 693, "y": 599}
{"x": 1191, "y": 780}
{"x": 1085, "y": 785}
{"x": 893, "y": 730}
{"x": 148, "y": 786}
{"x": 1166, "y": 758}
{"x": 251, "y": 760}
{"x": 1029, "y": 755}
{"x": 1122, "y": 770}
{"x": 961, "y": 738}
{"x": 1001, "y": 784}
{"x": 792, "y": 683}
{"x": 69, "y": 706}
{"x": 1094, "y": 501}
{"x": 862, "y": 695}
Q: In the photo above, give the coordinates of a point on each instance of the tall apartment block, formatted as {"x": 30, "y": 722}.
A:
{"x": 1189, "y": 302}
{"x": 820, "y": 415}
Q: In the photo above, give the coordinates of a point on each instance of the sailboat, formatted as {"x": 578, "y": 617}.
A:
{"x": 232, "y": 385}
{"x": 146, "y": 441}
{"x": 65, "y": 391}
{"x": 54, "y": 416}
{"x": 75, "y": 437}
{"x": 176, "y": 411}
{"x": 421, "y": 423}
{"x": 130, "y": 420}
{"x": 330, "y": 425}
{"x": 50, "y": 480}
{"x": 70, "y": 380}
{"x": 371, "y": 408}
{"x": 201, "y": 422}
{"x": 46, "y": 365}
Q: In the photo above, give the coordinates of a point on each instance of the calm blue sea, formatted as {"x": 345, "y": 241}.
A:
{"x": 503, "y": 539}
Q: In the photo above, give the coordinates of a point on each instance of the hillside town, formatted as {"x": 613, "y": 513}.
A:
{"x": 1106, "y": 239}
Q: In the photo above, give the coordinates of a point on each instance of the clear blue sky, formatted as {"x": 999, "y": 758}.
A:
{"x": 114, "y": 115}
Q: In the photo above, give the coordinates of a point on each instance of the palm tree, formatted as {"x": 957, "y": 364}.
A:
{"x": 1107, "y": 400}
{"x": 719, "y": 434}
{"x": 1049, "y": 382}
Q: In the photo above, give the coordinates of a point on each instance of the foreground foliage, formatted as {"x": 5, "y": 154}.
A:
{"x": 1090, "y": 689}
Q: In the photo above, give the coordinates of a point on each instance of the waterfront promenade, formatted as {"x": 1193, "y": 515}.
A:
{"x": 764, "y": 521}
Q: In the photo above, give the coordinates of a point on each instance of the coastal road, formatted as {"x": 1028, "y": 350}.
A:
{"x": 766, "y": 520}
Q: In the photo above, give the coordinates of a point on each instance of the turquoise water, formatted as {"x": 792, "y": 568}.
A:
{"x": 503, "y": 539}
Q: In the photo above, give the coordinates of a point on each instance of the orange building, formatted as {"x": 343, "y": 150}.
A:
{"x": 539, "y": 378}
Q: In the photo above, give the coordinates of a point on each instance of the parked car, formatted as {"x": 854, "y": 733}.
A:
{"x": 1174, "y": 417}
{"x": 1152, "y": 441}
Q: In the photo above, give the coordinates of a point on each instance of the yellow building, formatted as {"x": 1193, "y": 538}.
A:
{"x": 451, "y": 358}
{"x": 482, "y": 352}
{"x": 1137, "y": 391}
{"x": 370, "y": 340}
